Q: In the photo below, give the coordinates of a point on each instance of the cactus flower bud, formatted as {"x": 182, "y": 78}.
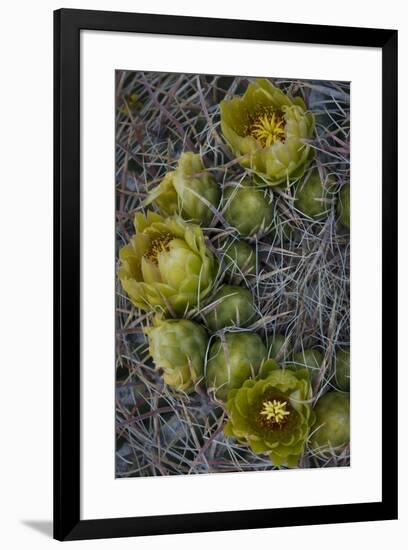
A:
{"x": 233, "y": 360}
{"x": 165, "y": 196}
{"x": 310, "y": 359}
{"x": 239, "y": 259}
{"x": 248, "y": 209}
{"x": 231, "y": 306}
{"x": 312, "y": 195}
{"x": 331, "y": 430}
{"x": 279, "y": 347}
{"x": 343, "y": 206}
{"x": 178, "y": 347}
{"x": 342, "y": 375}
{"x": 189, "y": 191}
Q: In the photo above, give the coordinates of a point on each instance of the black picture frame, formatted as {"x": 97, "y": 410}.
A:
{"x": 67, "y": 26}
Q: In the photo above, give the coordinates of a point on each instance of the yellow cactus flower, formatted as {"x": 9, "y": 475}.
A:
{"x": 269, "y": 132}
{"x": 166, "y": 266}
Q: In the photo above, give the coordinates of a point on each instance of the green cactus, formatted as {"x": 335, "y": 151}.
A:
{"x": 233, "y": 306}
{"x": 248, "y": 209}
{"x": 279, "y": 347}
{"x": 178, "y": 347}
{"x": 239, "y": 259}
{"x": 232, "y": 360}
{"x": 342, "y": 373}
{"x": 312, "y": 195}
{"x": 343, "y": 206}
{"x": 189, "y": 191}
{"x": 310, "y": 359}
{"x": 331, "y": 432}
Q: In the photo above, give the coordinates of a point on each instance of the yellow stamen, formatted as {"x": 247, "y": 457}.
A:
{"x": 161, "y": 244}
{"x": 267, "y": 128}
{"x": 275, "y": 411}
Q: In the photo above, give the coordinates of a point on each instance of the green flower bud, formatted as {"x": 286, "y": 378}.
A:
{"x": 279, "y": 347}
{"x": 342, "y": 375}
{"x": 272, "y": 415}
{"x": 312, "y": 196}
{"x": 166, "y": 266}
{"x": 248, "y": 209}
{"x": 343, "y": 206}
{"x": 189, "y": 191}
{"x": 310, "y": 359}
{"x": 232, "y": 361}
{"x": 332, "y": 428}
{"x": 178, "y": 347}
{"x": 268, "y": 132}
{"x": 239, "y": 259}
{"x": 231, "y": 306}
{"x": 266, "y": 368}
{"x": 165, "y": 196}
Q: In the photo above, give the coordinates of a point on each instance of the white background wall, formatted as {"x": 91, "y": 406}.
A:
{"x": 26, "y": 271}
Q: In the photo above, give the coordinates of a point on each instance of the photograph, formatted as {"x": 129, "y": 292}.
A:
{"x": 232, "y": 263}
{"x": 208, "y": 220}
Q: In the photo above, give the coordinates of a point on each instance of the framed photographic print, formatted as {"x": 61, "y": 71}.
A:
{"x": 225, "y": 274}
